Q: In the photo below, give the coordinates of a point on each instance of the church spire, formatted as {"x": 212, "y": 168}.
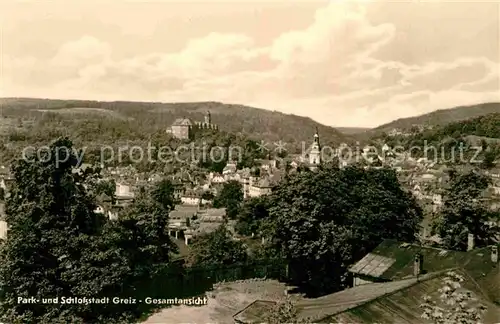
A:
{"x": 208, "y": 118}
{"x": 316, "y": 136}
{"x": 315, "y": 152}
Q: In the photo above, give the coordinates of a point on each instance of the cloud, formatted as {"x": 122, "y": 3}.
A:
{"x": 332, "y": 71}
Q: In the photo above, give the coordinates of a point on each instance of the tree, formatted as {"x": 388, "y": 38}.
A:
{"x": 323, "y": 221}
{"x": 2, "y": 194}
{"x": 207, "y": 195}
{"x": 217, "y": 248}
{"x": 53, "y": 245}
{"x": 464, "y": 212}
{"x": 230, "y": 197}
{"x": 455, "y": 305}
{"x": 145, "y": 230}
{"x": 252, "y": 213}
{"x": 107, "y": 187}
{"x": 489, "y": 159}
{"x": 164, "y": 194}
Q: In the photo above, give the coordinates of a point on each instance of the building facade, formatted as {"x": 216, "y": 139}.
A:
{"x": 184, "y": 128}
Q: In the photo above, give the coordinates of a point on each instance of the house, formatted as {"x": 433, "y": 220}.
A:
{"x": 392, "y": 260}
{"x": 124, "y": 195}
{"x": 178, "y": 189}
{"x": 267, "y": 164}
{"x": 108, "y": 207}
{"x": 207, "y": 221}
{"x": 191, "y": 197}
{"x": 179, "y": 219}
{"x": 211, "y": 215}
{"x": 399, "y": 275}
{"x": 399, "y": 301}
{"x": 216, "y": 178}
{"x": 123, "y": 191}
{"x": 259, "y": 188}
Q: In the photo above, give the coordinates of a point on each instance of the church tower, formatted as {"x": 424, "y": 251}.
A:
{"x": 315, "y": 153}
{"x": 208, "y": 119}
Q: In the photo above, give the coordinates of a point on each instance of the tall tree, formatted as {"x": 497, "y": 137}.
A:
{"x": 164, "y": 194}
{"x": 51, "y": 248}
{"x": 217, "y": 248}
{"x": 107, "y": 187}
{"x": 323, "y": 221}
{"x": 145, "y": 229}
{"x": 465, "y": 212}
{"x": 252, "y": 213}
{"x": 230, "y": 197}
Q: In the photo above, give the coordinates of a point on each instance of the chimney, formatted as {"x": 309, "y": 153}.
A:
{"x": 470, "y": 242}
{"x": 418, "y": 264}
{"x": 494, "y": 254}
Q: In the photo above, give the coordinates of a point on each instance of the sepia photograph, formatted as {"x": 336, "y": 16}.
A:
{"x": 249, "y": 162}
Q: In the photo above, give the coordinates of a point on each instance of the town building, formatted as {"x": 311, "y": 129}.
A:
{"x": 257, "y": 188}
{"x": 184, "y": 128}
{"x": 312, "y": 156}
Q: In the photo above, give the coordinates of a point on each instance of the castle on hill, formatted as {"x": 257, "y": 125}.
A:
{"x": 184, "y": 128}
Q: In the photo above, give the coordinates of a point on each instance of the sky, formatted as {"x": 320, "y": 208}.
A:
{"x": 342, "y": 63}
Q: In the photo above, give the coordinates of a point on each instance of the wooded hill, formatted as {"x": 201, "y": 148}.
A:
{"x": 483, "y": 131}
{"x": 441, "y": 117}
{"x": 97, "y": 120}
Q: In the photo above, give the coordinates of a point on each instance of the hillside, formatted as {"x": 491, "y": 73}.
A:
{"x": 147, "y": 118}
{"x": 352, "y": 130}
{"x": 441, "y": 117}
{"x": 483, "y": 132}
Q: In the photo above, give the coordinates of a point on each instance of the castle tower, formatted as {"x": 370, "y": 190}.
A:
{"x": 208, "y": 119}
{"x": 315, "y": 153}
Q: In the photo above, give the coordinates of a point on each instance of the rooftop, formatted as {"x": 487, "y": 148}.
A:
{"x": 392, "y": 260}
{"x": 341, "y": 301}
{"x": 182, "y": 122}
{"x": 402, "y": 305}
{"x": 213, "y": 212}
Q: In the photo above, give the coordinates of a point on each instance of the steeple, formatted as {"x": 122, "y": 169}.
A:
{"x": 208, "y": 119}
{"x": 315, "y": 153}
